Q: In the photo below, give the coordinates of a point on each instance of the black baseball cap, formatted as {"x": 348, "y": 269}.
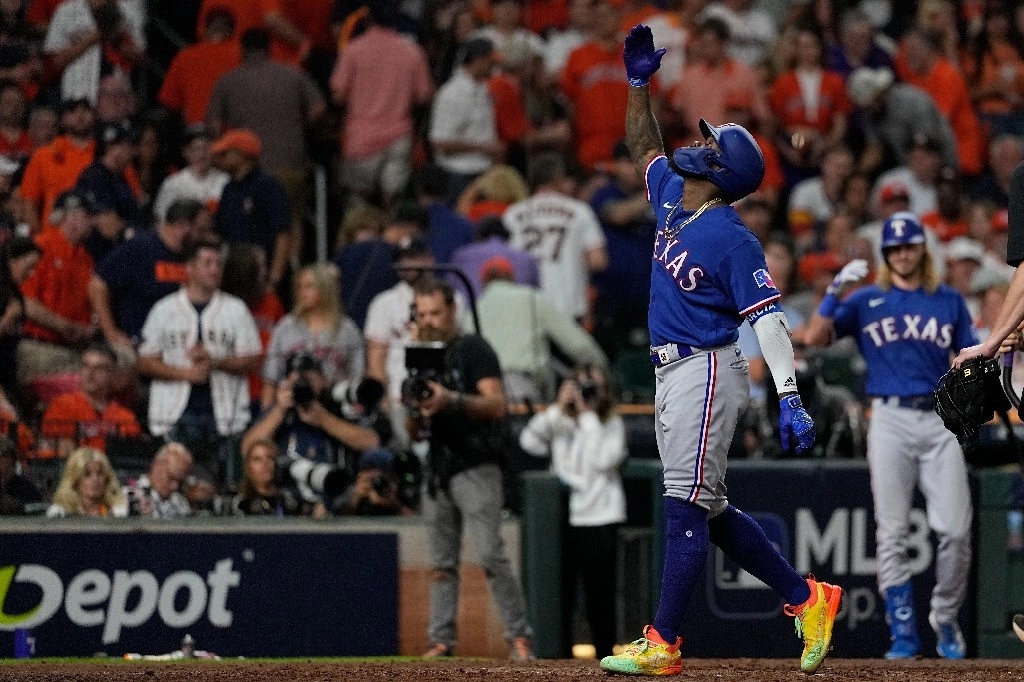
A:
{"x": 196, "y": 131}
{"x": 112, "y": 133}
{"x": 412, "y": 247}
{"x": 72, "y": 199}
{"x": 71, "y": 103}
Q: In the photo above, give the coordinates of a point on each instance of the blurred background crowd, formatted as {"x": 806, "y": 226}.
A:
{"x": 162, "y": 160}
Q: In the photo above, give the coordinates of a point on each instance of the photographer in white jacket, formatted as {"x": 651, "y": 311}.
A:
{"x": 586, "y": 441}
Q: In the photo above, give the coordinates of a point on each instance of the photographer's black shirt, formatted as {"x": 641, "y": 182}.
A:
{"x": 458, "y": 441}
{"x": 1015, "y": 237}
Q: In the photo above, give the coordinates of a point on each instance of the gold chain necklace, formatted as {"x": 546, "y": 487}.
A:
{"x": 696, "y": 214}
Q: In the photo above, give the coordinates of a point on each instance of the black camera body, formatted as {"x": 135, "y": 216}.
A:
{"x": 425, "y": 363}
{"x": 588, "y": 389}
{"x": 302, "y": 392}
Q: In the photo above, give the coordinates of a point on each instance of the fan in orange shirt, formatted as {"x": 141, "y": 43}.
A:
{"x": 811, "y": 106}
{"x": 521, "y": 69}
{"x": 288, "y": 43}
{"x": 54, "y": 168}
{"x": 921, "y": 64}
{"x": 594, "y": 82}
{"x": 86, "y": 417}
{"x": 195, "y": 69}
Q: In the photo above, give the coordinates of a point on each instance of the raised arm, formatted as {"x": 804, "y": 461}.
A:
{"x": 643, "y": 138}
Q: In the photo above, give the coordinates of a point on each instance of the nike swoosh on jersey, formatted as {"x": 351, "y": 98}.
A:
{"x": 875, "y": 302}
{"x": 666, "y": 206}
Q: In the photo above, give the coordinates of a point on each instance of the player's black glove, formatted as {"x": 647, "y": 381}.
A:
{"x": 968, "y": 396}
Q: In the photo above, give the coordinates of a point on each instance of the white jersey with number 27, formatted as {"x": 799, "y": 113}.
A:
{"x": 557, "y": 231}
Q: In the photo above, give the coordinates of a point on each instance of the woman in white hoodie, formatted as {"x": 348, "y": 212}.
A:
{"x": 586, "y": 441}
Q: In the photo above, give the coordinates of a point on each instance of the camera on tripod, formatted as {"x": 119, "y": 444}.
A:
{"x": 425, "y": 363}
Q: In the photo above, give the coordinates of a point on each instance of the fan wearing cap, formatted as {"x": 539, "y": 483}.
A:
{"x": 492, "y": 240}
{"x": 104, "y": 179}
{"x": 54, "y": 168}
{"x": 56, "y": 295}
{"x": 253, "y": 206}
{"x": 894, "y": 113}
{"x": 279, "y": 103}
{"x": 198, "y": 180}
{"x": 140, "y": 272}
{"x": 907, "y": 325}
{"x": 521, "y": 324}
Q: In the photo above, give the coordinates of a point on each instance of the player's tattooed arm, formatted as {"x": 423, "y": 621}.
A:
{"x": 643, "y": 137}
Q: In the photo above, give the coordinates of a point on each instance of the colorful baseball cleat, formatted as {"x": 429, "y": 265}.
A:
{"x": 949, "y": 640}
{"x": 814, "y": 620}
{"x": 649, "y": 655}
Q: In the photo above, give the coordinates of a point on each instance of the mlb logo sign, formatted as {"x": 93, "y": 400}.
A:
{"x": 763, "y": 279}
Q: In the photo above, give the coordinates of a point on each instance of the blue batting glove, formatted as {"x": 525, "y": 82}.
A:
{"x": 795, "y": 426}
{"x": 641, "y": 59}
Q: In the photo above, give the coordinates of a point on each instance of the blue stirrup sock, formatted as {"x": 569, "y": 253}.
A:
{"x": 744, "y": 541}
{"x": 686, "y": 550}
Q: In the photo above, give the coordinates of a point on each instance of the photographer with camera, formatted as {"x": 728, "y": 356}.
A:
{"x": 309, "y": 425}
{"x": 460, "y": 412}
{"x": 160, "y": 493}
{"x": 586, "y": 441}
{"x": 376, "y": 491}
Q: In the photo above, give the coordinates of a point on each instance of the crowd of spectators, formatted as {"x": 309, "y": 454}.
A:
{"x": 156, "y": 232}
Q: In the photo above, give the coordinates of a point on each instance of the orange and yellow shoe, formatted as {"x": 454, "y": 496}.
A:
{"x": 649, "y": 655}
{"x": 814, "y": 621}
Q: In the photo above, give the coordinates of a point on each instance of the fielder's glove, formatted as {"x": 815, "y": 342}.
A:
{"x": 796, "y": 428}
{"x": 968, "y": 396}
{"x": 640, "y": 57}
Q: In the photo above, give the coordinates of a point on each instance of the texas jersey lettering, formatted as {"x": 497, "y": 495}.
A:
{"x": 905, "y": 336}
{"x": 704, "y": 279}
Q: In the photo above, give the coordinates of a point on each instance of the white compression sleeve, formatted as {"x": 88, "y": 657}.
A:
{"x": 773, "y": 334}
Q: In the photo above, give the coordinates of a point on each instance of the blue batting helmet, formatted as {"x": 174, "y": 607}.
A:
{"x": 737, "y": 171}
{"x": 902, "y": 228}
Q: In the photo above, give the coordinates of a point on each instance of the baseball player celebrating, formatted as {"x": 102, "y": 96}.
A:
{"x": 908, "y": 326}
{"x": 709, "y": 274}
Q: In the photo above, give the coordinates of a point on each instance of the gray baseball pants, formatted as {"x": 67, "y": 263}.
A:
{"x": 910, "y": 448}
{"x": 473, "y": 501}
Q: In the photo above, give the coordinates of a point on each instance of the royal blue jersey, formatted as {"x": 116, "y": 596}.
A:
{"x": 907, "y": 338}
{"x": 706, "y": 278}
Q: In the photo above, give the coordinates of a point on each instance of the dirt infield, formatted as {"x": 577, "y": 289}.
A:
{"x": 733, "y": 670}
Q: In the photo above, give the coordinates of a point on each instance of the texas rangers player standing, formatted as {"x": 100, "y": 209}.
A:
{"x": 709, "y": 274}
{"x": 908, "y": 326}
